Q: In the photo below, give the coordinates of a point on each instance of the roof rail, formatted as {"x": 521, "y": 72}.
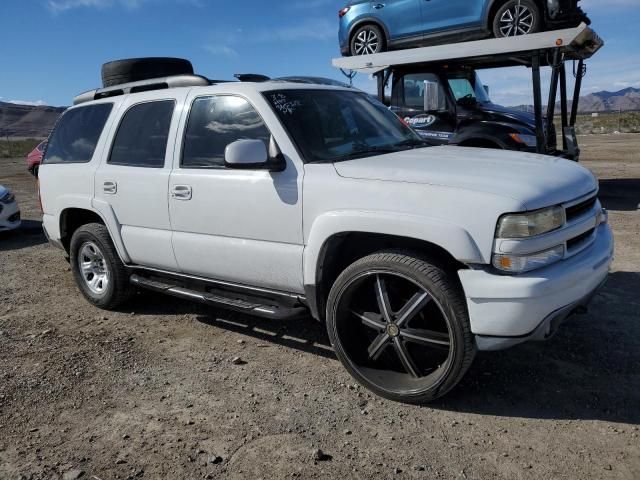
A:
{"x": 577, "y": 43}
{"x": 175, "y": 81}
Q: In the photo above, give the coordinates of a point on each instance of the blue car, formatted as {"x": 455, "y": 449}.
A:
{"x": 368, "y": 27}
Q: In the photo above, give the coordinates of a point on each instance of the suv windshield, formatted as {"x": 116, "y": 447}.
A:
{"x": 467, "y": 85}
{"x": 336, "y": 125}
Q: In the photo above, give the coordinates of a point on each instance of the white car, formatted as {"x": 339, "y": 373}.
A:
{"x": 277, "y": 199}
{"x": 9, "y": 211}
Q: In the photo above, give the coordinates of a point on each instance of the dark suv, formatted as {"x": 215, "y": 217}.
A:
{"x": 368, "y": 27}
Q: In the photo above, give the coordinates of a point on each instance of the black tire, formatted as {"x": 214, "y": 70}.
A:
{"x": 362, "y": 42}
{"x": 136, "y": 69}
{"x": 531, "y": 23}
{"x": 117, "y": 289}
{"x": 351, "y": 333}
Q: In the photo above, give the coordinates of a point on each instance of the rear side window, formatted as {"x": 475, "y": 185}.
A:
{"x": 214, "y": 123}
{"x": 142, "y": 137}
{"x": 76, "y": 134}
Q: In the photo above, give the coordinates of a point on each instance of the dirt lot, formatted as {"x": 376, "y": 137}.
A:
{"x": 151, "y": 392}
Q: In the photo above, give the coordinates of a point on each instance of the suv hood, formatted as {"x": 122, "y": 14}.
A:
{"x": 3, "y": 191}
{"x": 537, "y": 181}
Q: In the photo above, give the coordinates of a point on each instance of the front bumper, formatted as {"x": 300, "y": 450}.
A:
{"x": 506, "y": 310}
{"x": 9, "y": 216}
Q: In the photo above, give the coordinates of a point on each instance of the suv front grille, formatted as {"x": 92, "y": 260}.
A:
{"x": 578, "y": 241}
{"x": 580, "y": 209}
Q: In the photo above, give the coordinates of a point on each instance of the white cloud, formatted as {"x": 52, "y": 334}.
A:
{"x": 221, "y": 50}
{"x": 36, "y": 103}
{"x": 59, "y": 6}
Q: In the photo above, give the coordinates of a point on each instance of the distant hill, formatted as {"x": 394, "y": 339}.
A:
{"x": 626, "y": 100}
{"x": 27, "y": 120}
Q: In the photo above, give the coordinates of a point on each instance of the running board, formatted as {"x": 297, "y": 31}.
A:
{"x": 272, "y": 312}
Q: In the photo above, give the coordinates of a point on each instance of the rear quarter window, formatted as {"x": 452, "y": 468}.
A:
{"x": 76, "y": 134}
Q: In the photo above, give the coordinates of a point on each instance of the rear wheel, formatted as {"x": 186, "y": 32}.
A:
{"x": 516, "y": 18}
{"x": 399, "y": 325}
{"x": 367, "y": 40}
{"x": 97, "y": 268}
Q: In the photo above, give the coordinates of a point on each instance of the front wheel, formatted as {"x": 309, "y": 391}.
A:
{"x": 400, "y": 326}
{"x": 516, "y": 18}
{"x": 367, "y": 40}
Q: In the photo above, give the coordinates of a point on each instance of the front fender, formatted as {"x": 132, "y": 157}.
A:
{"x": 452, "y": 238}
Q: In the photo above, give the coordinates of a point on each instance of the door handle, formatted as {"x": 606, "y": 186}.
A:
{"x": 110, "y": 188}
{"x": 378, "y": 6}
{"x": 181, "y": 192}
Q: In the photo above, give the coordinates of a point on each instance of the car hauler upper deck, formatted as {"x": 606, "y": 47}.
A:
{"x": 423, "y": 92}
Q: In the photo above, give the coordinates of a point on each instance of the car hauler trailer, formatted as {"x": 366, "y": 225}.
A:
{"x": 553, "y": 49}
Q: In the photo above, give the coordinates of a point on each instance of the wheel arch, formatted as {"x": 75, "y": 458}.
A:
{"x": 369, "y": 21}
{"x": 72, "y": 218}
{"x": 333, "y": 245}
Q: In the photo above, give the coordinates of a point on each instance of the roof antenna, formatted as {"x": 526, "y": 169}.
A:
{"x": 351, "y": 75}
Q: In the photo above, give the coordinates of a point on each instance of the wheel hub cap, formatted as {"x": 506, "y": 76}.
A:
{"x": 393, "y": 330}
{"x": 366, "y": 43}
{"x": 93, "y": 268}
{"x": 516, "y": 21}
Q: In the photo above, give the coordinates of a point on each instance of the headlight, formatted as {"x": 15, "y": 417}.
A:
{"x": 528, "y": 140}
{"x": 7, "y": 198}
{"x": 526, "y": 263}
{"x": 523, "y": 225}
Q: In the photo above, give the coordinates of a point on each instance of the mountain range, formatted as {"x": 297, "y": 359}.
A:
{"x": 627, "y": 99}
{"x": 27, "y": 120}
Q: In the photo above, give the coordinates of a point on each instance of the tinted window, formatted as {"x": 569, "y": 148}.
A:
{"x": 214, "y": 123}
{"x": 335, "y": 125}
{"x": 76, "y": 134}
{"x": 142, "y": 137}
{"x": 415, "y": 87}
{"x": 468, "y": 86}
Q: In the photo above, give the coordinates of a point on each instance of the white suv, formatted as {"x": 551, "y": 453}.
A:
{"x": 277, "y": 199}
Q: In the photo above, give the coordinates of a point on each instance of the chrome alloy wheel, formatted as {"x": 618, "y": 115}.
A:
{"x": 395, "y": 334}
{"x": 93, "y": 268}
{"x": 516, "y": 20}
{"x": 366, "y": 42}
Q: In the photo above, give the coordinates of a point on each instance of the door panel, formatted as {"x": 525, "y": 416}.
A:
{"x": 401, "y": 17}
{"x": 242, "y": 226}
{"x": 451, "y": 14}
{"x": 133, "y": 179}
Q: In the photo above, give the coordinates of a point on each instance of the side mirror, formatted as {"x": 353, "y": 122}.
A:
{"x": 431, "y": 96}
{"x": 253, "y": 155}
{"x": 486, "y": 89}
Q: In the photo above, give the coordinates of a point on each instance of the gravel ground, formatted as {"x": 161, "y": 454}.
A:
{"x": 152, "y": 392}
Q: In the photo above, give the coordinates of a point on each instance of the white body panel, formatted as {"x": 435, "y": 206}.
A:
{"x": 249, "y": 222}
{"x": 138, "y": 195}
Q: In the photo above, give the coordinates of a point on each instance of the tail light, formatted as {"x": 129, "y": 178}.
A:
{"x": 343, "y": 12}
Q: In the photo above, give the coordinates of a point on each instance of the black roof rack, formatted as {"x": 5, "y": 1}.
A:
{"x": 143, "y": 86}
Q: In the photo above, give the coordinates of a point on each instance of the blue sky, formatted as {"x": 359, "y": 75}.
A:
{"x": 52, "y": 49}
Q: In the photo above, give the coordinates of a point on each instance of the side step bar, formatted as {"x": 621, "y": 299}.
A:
{"x": 272, "y": 312}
